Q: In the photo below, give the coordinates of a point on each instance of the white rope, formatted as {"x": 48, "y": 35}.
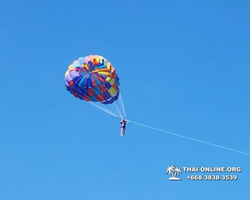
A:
{"x": 103, "y": 109}
{"x": 122, "y": 105}
{"x": 118, "y": 108}
{"x": 189, "y": 138}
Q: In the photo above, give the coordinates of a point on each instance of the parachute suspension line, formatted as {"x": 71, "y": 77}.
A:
{"x": 111, "y": 106}
{"x": 101, "y": 106}
{"x": 118, "y": 109}
{"x": 189, "y": 138}
{"x": 122, "y": 105}
{"x": 103, "y": 109}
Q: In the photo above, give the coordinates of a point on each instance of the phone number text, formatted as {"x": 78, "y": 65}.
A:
{"x": 213, "y": 177}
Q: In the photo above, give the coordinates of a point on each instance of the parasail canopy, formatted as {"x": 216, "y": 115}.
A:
{"x": 93, "y": 79}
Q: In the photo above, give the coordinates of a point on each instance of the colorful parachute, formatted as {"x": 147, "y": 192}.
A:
{"x": 94, "y": 79}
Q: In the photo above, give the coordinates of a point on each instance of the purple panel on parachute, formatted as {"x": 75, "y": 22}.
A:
{"x": 116, "y": 96}
{"x": 66, "y": 83}
{"x": 74, "y": 74}
{"x": 71, "y": 75}
{"x": 107, "y": 95}
{"x": 86, "y": 82}
{"x": 75, "y": 88}
{"x": 110, "y": 101}
{"x": 103, "y": 77}
{"x": 67, "y": 88}
{"x": 89, "y": 82}
{"x": 107, "y": 85}
{"x": 77, "y": 80}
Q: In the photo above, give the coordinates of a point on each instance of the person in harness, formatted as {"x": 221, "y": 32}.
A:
{"x": 123, "y": 127}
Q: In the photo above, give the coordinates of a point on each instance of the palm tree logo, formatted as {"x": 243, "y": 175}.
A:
{"x": 173, "y": 171}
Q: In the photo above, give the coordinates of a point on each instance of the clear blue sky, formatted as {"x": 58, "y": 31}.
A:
{"x": 183, "y": 66}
